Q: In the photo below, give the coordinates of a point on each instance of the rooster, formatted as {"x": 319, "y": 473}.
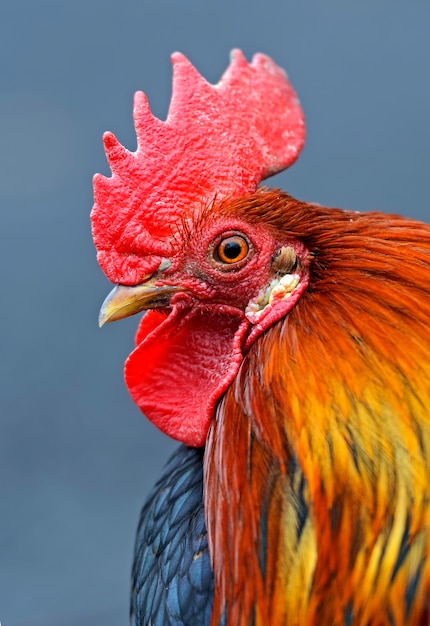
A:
{"x": 286, "y": 345}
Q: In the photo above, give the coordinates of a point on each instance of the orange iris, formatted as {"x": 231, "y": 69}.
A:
{"x": 232, "y": 249}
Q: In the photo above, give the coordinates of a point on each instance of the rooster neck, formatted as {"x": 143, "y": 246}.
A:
{"x": 317, "y": 467}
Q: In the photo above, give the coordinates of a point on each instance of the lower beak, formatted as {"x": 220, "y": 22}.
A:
{"x": 124, "y": 301}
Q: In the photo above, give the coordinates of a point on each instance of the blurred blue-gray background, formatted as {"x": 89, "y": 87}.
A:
{"x": 76, "y": 457}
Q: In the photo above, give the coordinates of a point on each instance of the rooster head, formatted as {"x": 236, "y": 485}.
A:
{"x": 177, "y": 229}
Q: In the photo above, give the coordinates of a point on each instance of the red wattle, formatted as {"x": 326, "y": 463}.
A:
{"x": 182, "y": 365}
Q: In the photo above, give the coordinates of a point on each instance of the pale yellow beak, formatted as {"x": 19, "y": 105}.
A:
{"x": 124, "y": 301}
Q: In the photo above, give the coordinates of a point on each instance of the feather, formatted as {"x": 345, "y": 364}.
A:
{"x": 172, "y": 582}
{"x": 326, "y": 431}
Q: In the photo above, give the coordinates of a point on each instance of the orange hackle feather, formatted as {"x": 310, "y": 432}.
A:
{"x": 317, "y": 467}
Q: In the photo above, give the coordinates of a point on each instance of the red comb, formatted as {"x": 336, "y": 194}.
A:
{"x": 217, "y": 141}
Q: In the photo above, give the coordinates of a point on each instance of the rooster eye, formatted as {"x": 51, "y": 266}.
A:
{"x": 232, "y": 249}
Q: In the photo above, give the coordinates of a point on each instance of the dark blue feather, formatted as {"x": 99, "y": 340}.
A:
{"x": 172, "y": 580}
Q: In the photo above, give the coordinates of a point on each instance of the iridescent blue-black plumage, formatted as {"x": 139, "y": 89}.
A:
{"x": 172, "y": 580}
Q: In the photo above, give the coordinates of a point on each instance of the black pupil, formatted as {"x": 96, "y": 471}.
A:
{"x": 232, "y": 249}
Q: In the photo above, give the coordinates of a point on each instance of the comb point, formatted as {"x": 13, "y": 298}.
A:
{"x": 116, "y": 154}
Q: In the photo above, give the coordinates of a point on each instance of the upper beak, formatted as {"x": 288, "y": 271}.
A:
{"x": 124, "y": 301}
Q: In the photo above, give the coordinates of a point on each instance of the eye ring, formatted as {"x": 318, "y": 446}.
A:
{"x": 232, "y": 250}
